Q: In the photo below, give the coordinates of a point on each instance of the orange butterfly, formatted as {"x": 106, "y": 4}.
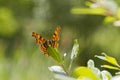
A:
{"x": 45, "y": 43}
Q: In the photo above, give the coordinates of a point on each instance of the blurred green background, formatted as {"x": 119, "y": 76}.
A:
{"x": 21, "y": 58}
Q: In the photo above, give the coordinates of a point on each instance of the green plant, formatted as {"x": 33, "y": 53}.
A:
{"x": 114, "y": 64}
{"x": 107, "y": 8}
{"x": 89, "y": 72}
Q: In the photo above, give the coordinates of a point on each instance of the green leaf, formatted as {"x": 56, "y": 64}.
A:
{"x": 75, "y": 49}
{"x": 88, "y": 3}
{"x": 108, "y": 59}
{"x": 109, "y": 19}
{"x": 84, "y": 72}
{"x": 54, "y": 53}
{"x": 118, "y": 73}
{"x": 110, "y": 67}
{"x": 118, "y": 13}
{"x": 93, "y": 11}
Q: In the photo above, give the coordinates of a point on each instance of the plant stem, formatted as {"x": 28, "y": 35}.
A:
{"x": 70, "y": 65}
{"x": 62, "y": 65}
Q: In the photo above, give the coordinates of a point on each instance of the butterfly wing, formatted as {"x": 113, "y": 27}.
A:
{"x": 55, "y": 37}
{"x": 39, "y": 39}
{"x": 42, "y": 41}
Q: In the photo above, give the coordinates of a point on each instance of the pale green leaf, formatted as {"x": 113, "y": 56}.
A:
{"x": 111, "y": 60}
{"x": 110, "y": 67}
{"x": 101, "y": 57}
{"x": 93, "y": 11}
{"x": 75, "y": 49}
{"x": 109, "y": 19}
{"x": 118, "y": 73}
{"x": 88, "y": 3}
{"x": 108, "y": 59}
{"x": 118, "y": 13}
{"x": 84, "y": 72}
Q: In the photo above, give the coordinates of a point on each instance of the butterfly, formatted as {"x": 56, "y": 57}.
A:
{"x": 45, "y": 43}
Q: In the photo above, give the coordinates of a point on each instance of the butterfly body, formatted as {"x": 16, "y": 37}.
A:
{"x": 46, "y": 43}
